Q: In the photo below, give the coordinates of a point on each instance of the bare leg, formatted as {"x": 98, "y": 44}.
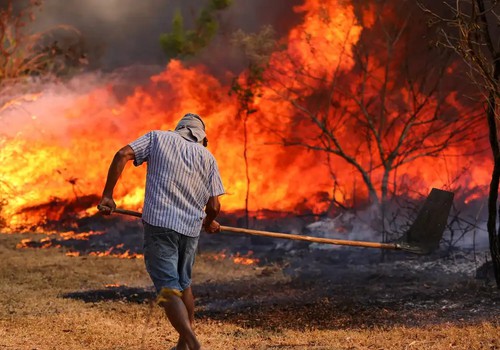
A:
{"x": 188, "y": 300}
{"x": 178, "y": 316}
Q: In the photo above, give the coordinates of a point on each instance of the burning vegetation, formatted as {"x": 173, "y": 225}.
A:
{"x": 368, "y": 122}
{"x": 337, "y": 126}
{"x": 341, "y": 112}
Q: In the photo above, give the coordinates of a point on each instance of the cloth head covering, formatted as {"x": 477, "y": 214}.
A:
{"x": 191, "y": 128}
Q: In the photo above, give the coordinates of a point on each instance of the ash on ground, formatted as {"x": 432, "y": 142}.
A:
{"x": 323, "y": 286}
{"x": 338, "y": 286}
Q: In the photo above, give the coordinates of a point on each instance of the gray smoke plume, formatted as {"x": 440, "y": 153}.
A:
{"x": 120, "y": 33}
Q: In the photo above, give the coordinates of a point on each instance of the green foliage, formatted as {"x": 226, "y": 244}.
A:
{"x": 184, "y": 43}
{"x": 220, "y": 4}
{"x": 174, "y": 42}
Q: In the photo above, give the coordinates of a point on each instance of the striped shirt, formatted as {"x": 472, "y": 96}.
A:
{"x": 181, "y": 177}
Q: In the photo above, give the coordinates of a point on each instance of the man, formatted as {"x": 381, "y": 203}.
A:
{"x": 182, "y": 185}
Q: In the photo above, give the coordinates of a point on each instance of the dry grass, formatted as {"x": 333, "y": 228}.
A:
{"x": 34, "y": 315}
{"x": 24, "y": 54}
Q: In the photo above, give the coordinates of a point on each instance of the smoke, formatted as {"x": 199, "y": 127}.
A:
{"x": 120, "y": 33}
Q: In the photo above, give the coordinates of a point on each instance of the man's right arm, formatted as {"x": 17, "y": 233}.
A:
{"x": 107, "y": 204}
{"x": 212, "y": 209}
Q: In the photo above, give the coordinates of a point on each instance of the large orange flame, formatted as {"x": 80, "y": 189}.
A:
{"x": 60, "y": 142}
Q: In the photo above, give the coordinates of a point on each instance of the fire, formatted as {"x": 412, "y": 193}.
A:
{"x": 126, "y": 255}
{"x": 42, "y": 243}
{"x": 61, "y": 155}
{"x": 219, "y": 256}
{"x": 79, "y": 243}
{"x": 245, "y": 259}
{"x": 79, "y": 236}
{"x": 237, "y": 258}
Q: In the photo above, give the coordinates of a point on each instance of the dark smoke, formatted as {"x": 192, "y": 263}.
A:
{"x": 120, "y": 33}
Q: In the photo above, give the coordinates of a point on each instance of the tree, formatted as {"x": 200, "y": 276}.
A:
{"x": 470, "y": 29}
{"x": 184, "y": 43}
{"x": 387, "y": 111}
{"x": 258, "y": 48}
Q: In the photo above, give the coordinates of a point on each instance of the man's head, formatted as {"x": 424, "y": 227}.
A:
{"x": 192, "y": 128}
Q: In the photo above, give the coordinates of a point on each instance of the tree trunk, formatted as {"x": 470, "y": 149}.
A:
{"x": 493, "y": 234}
{"x": 247, "y": 170}
{"x": 385, "y": 183}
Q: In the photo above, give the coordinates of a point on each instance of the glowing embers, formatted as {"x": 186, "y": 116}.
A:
{"x": 245, "y": 259}
{"x": 125, "y": 255}
{"x": 42, "y": 243}
{"x": 92, "y": 243}
{"x": 237, "y": 258}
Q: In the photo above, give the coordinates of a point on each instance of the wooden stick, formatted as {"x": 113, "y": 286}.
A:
{"x": 128, "y": 212}
{"x": 393, "y": 246}
{"x": 311, "y": 239}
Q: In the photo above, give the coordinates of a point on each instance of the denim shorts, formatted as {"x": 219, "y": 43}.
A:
{"x": 169, "y": 257}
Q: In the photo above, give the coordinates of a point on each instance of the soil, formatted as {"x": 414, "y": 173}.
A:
{"x": 322, "y": 286}
{"x": 311, "y": 285}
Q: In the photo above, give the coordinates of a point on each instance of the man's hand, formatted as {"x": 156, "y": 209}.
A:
{"x": 213, "y": 227}
{"x": 106, "y": 205}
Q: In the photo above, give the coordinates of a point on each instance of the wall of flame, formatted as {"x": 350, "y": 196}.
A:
{"x": 58, "y": 143}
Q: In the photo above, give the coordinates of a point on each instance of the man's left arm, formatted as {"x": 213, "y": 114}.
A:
{"x": 107, "y": 204}
{"x": 212, "y": 209}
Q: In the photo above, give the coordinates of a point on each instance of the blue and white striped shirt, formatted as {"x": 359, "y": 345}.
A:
{"x": 181, "y": 177}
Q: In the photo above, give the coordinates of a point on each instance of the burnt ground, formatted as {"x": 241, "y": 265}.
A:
{"x": 351, "y": 287}
{"x": 356, "y": 296}
{"x": 318, "y": 287}
{"x": 323, "y": 295}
